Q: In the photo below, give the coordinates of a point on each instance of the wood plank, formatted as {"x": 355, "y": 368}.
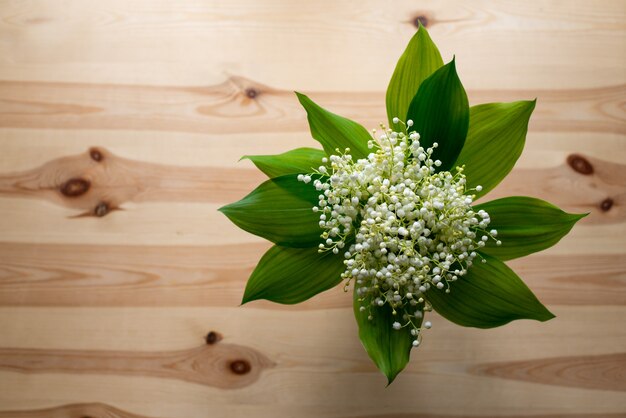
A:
{"x": 182, "y": 223}
{"x": 99, "y": 179}
{"x": 165, "y": 148}
{"x": 107, "y": 411}
{"x": 230, "y": 366}
{"x": 191, "y": 223}
{"x": 25, "y": 149}
{"x": 302, "y": 46}
{"x": 322, "y": 334}
{"x": 226, "y": 366}
{"x": 255, "y": 107}
{"x": 603, "y": 372}
{"x": 311, "y": 367}
{"x": 122, "y": 275}
{"x": 309, "y": 394}
{"x": 98, "y": 182}
{"x": 72, "y": 410}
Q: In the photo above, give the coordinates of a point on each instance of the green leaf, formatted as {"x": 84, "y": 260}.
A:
{"x": 334, "y": 131}
{"x": 440, "y": 113}
{"x": 420, "y": 59}
{"x": 495, "y": 140}
{"x": 292, "y": 275}
{"x": 525, "y": 225}
{"x": 279, "y": 210}
{"x": 388, "y": 348}
{"x": 488, "y": 296}
{"x": 296, "y": 161}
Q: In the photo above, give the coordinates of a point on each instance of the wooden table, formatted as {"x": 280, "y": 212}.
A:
{"x": 121, "y": 123}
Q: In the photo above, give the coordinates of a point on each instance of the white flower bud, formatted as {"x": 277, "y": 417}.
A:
{"x": 414, "y": 223}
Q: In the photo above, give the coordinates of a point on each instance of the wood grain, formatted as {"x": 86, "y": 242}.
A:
{"x": 83, "y": 410}
{"x": 241, "y": 105}
{"x": 98, "y": 182}
{"x": 121, "y": 126}
{"x": 106, "y": 411}
{"x": 58, "y": 275}
{"x": 310, "y": 368}
{"x": 225, "y": 366}
{"x": 497, "y": 44}
{"x": 580, "y": 184}
{"x": 490, "y": 416}
{"x": 603, "y": 372}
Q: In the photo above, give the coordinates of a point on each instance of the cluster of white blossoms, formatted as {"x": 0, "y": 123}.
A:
{"x": 403, "y": 226}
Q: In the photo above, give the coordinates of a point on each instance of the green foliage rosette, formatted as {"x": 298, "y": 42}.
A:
{"x": 391, "y": 213}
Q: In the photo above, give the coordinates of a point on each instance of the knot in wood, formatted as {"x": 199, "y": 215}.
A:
{"x": 75, "y": 187}
{"x": 607, "y": 204}
{"x": 96, "y": 154}
{"x": 580, "y": 164}
{"x": 212, "y": 337}
{"x": 423, "y": 19}
{"x": 251, "y": 92}
{"x": 101, "y": 209}
{"x": 240, "y": 366}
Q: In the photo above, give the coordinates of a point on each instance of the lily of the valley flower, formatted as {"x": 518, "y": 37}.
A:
{"x": 397, "y": 214}
{"x": 413, "y": 227}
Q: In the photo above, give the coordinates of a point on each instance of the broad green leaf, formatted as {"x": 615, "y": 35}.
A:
{"x": 488, "y": 296}
{"x": 292, "y": 275}
{"x": 525, "y": 225}
{"x": 279, "y": 210}
{"x": 495, "y": 140}
{"x": 296, "y": 161}
{"x": 388, "y": 348}
{"x": 440, "y": 113}
{"x": 334, "y": 131}
{"x": 420, "y": 59}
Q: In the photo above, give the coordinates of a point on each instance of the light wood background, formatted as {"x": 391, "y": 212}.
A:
{"x": 121, "y": 123}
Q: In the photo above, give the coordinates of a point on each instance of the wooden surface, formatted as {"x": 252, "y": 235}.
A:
{"x": 121, "y": 123}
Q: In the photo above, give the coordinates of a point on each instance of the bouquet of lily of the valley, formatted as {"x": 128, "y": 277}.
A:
{"x": 391, "y": 213}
